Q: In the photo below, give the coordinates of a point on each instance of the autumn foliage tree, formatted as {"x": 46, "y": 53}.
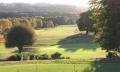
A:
{"x": 5, "y": 25}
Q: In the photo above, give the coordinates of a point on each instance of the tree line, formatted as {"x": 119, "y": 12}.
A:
{"x": 35, "y": 22}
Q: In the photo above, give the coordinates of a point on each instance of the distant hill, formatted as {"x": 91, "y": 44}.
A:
{"x": 39, "y": 7}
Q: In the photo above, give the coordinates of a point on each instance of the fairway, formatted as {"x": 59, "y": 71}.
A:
{"x": 64, "y": 39}
{"x": 67, "y": 40}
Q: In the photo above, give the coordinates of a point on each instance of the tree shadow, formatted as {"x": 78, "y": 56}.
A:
{"x": 104, "y": 65}
{"x": 78, "y": 41}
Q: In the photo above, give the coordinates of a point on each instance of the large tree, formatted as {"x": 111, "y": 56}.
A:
{"x": 85, "y": 23}
{"x": 19, "y": 36}
{"x": 106, "y": 14}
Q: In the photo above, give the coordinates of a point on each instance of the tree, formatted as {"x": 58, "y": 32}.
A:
{"x": 107, "y": 23}
{"x": 85, "y": 23}
{"x": 60, "y": 20}
{"x": 5, "y": 25}
{"x": 19, "y": 36}
{"x": 25, "y": 22}
{"x": 39, "y": 23}
{"x": 33, "y": 22}
{"x": 48, "y": 23}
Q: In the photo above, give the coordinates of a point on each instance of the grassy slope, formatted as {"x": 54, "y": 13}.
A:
{"x": 63, "y": 39}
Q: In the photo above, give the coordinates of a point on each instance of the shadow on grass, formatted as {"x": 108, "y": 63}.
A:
{"x": 78, "y": 41}
{"x": 104, "y": 65}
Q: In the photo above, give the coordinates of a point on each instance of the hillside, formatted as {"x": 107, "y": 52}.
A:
{"x": 39, "y": 9}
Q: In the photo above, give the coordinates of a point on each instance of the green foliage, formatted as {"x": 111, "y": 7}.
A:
{"x": 43, "y": 57}
{"x": 84, "y": 22}
{"x": 19, "y": 36}
{"x": 60, "y": 20}
{"x": 107, "y": 22}
{"x": 16, "y": 57}
{"x": 56, "y": 55}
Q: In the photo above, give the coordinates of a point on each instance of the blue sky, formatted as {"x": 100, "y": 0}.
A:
{"x": 69, "y": 2}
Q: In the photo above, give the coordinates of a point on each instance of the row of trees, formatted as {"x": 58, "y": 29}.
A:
{"x": 19, "y": 32}
{"x": 35, "y": 22}
{"x": 103, "y": 18}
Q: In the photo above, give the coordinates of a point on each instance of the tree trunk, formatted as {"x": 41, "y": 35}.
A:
{"x": 87, "y": 31}
{"x": 20, "y": 49}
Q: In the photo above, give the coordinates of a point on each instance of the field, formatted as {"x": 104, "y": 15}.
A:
{"x": 67, "y": 40}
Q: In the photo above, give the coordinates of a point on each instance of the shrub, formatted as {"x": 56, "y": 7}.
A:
{"x": 67, "y": 58}
{"x": 56, "y": 55}
{"x": 15, "y": 57}
{"x": 43, "y": 57}
{"x": 32, "y": 57}
{"x": 62, "y": 57}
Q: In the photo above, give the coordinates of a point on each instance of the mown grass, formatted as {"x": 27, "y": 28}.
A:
{"x": 64, "y": 39}
{"x": 83, "y": 67}
{"x": 44, "y": 68}
{"x": 67, "y": 40}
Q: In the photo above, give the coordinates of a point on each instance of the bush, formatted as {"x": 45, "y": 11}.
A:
{"x": 43, "y": 57}
{"x": 32, "y": 57}
{"x": 56, "y": 55}
{"x": 15, "y": 57}
{"x": 62, "y": 57}
{"x": 67, "y": 58}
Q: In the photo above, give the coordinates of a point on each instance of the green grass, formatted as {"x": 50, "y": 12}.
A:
{"x": 43, "y": 68}
{"x": 64, "y": 39}
{"x": 83, "y": 67}
{"x": 74, "y": 51}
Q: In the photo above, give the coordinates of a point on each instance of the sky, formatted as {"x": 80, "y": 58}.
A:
{"x": 68, "y": 2}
